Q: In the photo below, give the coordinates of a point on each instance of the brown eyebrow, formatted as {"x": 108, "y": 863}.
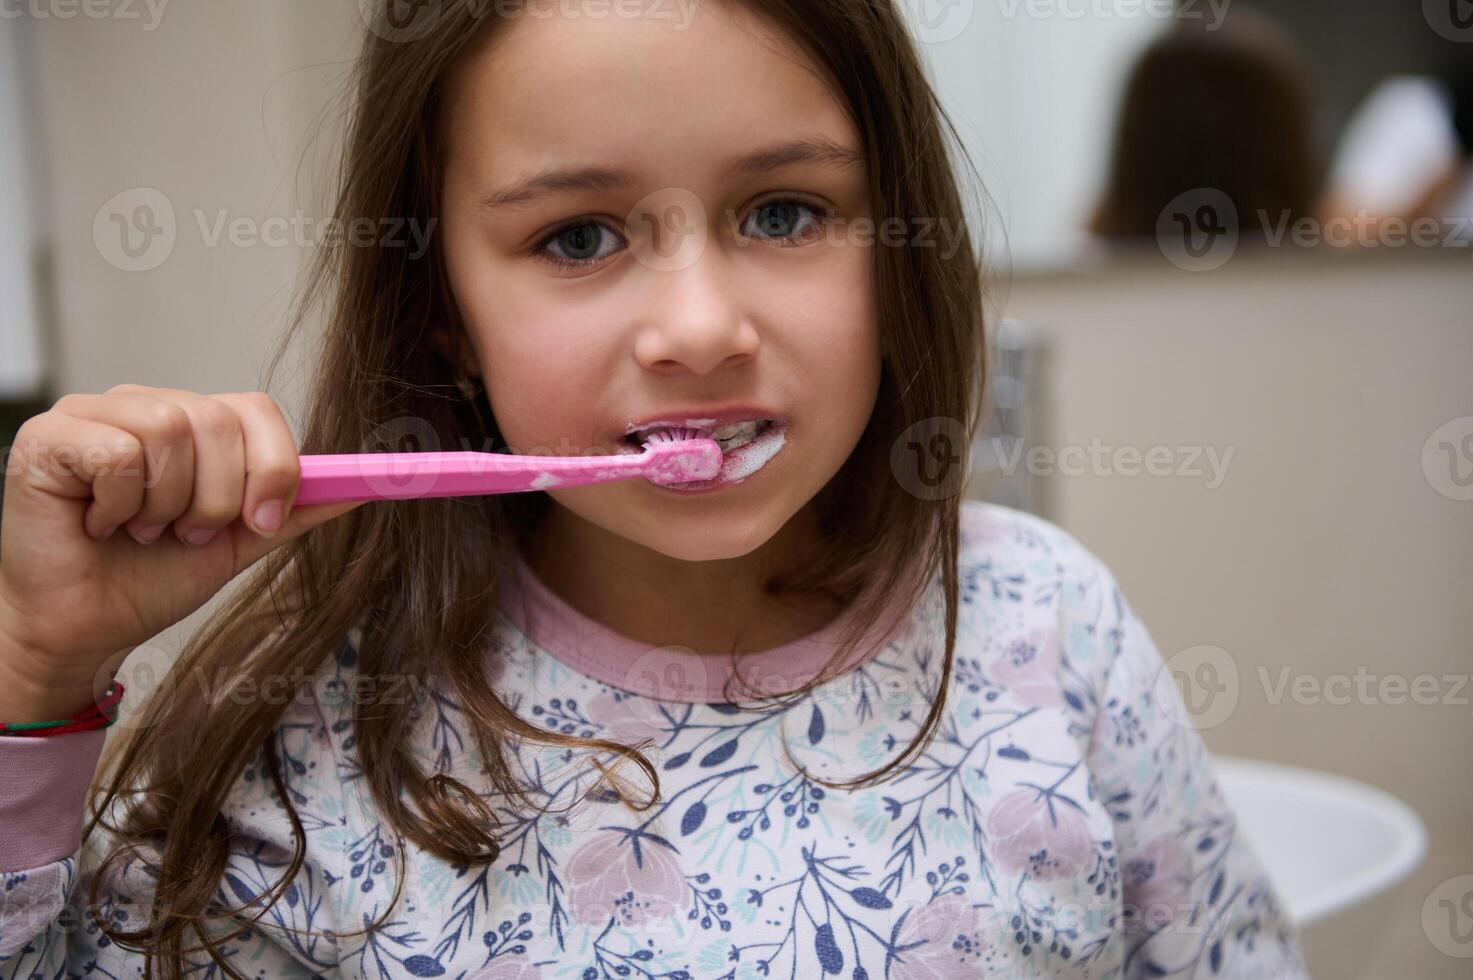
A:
{"x": 818, "y": 150}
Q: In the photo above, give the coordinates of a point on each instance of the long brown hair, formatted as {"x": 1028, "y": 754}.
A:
{"x": 419, "y": 578}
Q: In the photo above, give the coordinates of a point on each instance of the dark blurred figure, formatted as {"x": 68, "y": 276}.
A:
{"x": 1229, "y": 110}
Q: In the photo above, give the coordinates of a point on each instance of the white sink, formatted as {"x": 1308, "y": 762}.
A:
{"x": 1336, "y": 849}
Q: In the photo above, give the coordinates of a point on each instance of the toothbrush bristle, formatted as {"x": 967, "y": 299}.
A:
{"x": 699, "y": 459}
{"x": 679, "y": 434}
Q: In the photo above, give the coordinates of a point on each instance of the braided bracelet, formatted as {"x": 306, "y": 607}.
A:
{"x": 100, "y": 714}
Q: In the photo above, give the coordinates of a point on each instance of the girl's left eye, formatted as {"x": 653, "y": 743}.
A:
{"x": 775, "y": 219}
{"x": 780, "y": 213}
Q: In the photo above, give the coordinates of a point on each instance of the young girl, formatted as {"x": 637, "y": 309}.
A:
{"x": 820, "y": 717}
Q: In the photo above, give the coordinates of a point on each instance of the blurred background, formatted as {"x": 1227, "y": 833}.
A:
{"x": 1231, "y": 286}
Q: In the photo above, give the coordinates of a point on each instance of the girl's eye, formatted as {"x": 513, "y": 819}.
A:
{"x": 579, "y": 242}
{"x": 579, "y": 245}
{"x": 778, "y": 218}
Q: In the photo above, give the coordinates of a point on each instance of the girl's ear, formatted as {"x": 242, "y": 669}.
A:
{"x": 448, "y": 336}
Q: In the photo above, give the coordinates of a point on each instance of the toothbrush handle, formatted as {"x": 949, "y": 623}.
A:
{"x": 335, "y": 478}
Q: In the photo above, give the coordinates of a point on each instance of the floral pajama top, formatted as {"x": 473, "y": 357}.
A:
{"x": 1064, "y": 822}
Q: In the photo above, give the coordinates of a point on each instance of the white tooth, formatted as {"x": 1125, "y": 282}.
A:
{"x": 734, "y": 429}
{"x": 732, "y": 434}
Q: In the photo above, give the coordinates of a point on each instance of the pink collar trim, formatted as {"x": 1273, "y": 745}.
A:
{"x": 669, "y": 673}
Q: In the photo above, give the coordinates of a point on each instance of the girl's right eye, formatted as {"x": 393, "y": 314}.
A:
{"x": 581, "y": 240}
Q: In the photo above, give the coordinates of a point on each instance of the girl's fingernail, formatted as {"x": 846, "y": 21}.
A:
{"x": 147, "y": 533}
{"x": 200, "y": 536}
{"x": 268, "y": 517}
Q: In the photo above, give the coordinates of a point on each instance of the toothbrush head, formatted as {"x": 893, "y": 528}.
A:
{"x": 682, "y": 456}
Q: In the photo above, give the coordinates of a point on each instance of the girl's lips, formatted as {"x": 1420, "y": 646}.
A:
{"x": 736, "y": 465}
{"x": 742, "y": 462}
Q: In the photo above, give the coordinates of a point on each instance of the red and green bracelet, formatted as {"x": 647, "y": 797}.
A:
{"x": 100, "y": 714}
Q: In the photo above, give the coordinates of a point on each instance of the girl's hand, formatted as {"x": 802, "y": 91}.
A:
{"x": 123, "y": 513}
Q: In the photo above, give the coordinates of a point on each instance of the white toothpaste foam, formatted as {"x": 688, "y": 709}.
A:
{"x": 753, "y": 456}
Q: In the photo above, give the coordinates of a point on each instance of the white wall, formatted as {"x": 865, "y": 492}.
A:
{"x": 204, "y": 113}
{"x": 20, "y": 232}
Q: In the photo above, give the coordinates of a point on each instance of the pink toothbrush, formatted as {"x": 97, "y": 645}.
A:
{"x": 670, "y": 456}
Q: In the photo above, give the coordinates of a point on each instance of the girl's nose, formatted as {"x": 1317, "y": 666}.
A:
{"x": 695, "y": 321}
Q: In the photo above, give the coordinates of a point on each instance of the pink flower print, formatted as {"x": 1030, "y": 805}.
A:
{"x": 631, "y": 878}
{"x": 949, "y": 933}
{"x": 1029, "y": 668}
{"x": 509, "y": 968}
{"x": 495, "y": 667}
{"x": 628, "y": 721}
{"x": 1046, "y": 837}
{"x": 1155, "y": 882}
{"x": 977, "y": 530}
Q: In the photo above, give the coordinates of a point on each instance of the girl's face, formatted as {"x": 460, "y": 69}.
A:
{"x": 685, "y": 250}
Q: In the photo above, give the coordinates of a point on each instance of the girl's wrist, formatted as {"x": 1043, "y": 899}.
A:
{"x": 26, "y": 695}
{"x": 26, "y": 699}
{"x": 18, "y": 707}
